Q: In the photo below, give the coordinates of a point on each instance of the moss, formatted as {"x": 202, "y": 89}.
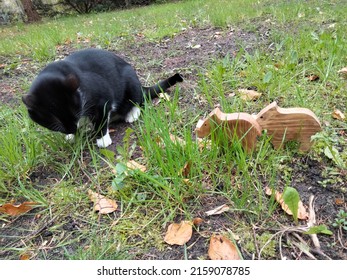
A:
{"x": 269, "y": 251}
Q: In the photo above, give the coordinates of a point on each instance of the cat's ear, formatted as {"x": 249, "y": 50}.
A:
{"x": 72, "y": 82}
{"x": 28, "y": 100}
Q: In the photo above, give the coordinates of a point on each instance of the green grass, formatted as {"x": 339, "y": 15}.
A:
{"x": 309, "y": 38}
{"x": 111, "y": 29}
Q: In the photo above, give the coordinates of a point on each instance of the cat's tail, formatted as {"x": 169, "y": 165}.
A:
{"x": 162, "y": 85}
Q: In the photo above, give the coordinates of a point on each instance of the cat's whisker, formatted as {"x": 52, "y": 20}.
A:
{"x": 57, "y": 127}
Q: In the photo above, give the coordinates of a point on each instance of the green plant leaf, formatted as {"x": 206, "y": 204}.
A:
{"x": 267, "y": 78}
{"x": 333, "y": 154}
{"x": 319, "y": 229}
{"x": 291, "y": 198}
{"x": 121, "y": 168}
{"x": 109, "y": 155}
{"x": 118, "y": 182}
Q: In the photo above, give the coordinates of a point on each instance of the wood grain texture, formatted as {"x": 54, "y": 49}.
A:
{"x": 286, "y": 124}
{"x": 240, "y": 125}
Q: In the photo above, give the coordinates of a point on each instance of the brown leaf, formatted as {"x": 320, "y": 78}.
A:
{"x": 313, "y": 77}
{"x": 221, "y": 248}
{"x": 177, "y": 140}
{"x": 15, "y": 210}
{"x": 343, "y": 72}
{"x": 278, "y": 65}
{"x": 339, "y": 201}
{"x": 25, "y": 256}
{"x": 179, "y": 234}
{"x": 302, "y": 213}
{"x": 337, "y": 114}
{"x": 249, "y": 95}
{"x": 132, "y": 164}
{"x": 218, "y": 210}
{"x": 101, "y": 203}
{"x": 204, "y": 144}
{"x": 187, "y": 182}
{"x": 186, "y": 169}
{"x": 197, "y": 221}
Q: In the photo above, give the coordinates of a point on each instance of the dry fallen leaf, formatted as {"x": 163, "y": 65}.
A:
{"x": 248, "y": 94}
{"x": 179, "y": 234}
{"x": 177, "y": 140}
{"x": 164, "y": 95}
{"x": 196, "y": 46}
{"x": 132, "y": 164}
{"x": 204, "y": 143}
{"x": 302, "y": 213}
{"x": 101, "y": 203}
{"x": 186, "y": 169}
{"x": 197, "y": 221}
{"x": 337, "y": 114}
{"x": 313, "y": 77}
{"x": 339, "y": 201}
{"x": 15, "y": 210}
{"x": 25, "y": 256}
{"x": 187, "y": 182}
{"x": 218, "y": 210}
{"x": 343, "y": 72}
{"x": 221, "y": 248}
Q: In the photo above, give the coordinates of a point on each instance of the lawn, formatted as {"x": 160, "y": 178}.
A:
{"x": 289, "y": 51}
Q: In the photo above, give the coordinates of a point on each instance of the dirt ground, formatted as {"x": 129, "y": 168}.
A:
{"x": 187, "y": 53}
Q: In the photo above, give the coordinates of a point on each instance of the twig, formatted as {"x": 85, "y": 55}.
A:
{"x": 255, "y": 241}
{"x": 280, "y": 245}
{"x": 312, "y": 221}
{"x": 339, "y": 237}
{"x": 33, "y": 234}
{"x": 268, "y": 241}
{"x": 303, "y": 246}
{"x": 320, "y": 252}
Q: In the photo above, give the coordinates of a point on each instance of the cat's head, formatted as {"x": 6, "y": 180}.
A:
{"x": 54, "y": 102}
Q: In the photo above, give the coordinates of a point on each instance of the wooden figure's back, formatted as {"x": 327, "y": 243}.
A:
{"x": 286, "y": 124}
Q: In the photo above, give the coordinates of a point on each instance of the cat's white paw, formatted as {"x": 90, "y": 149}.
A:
{"x": 133, "y": 115}
{"x": 104, "y": 141}
{"x": 70, "y": 137}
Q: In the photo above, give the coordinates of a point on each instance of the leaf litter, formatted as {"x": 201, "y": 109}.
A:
{"x": 337, "y": 114}
{"x": 179, "y": 234}
{"x": 16, "y": 210}
{"x": 302, "y": 213}
{"x": 218, "y": 210}
{"x": 102, "y": 204}
{"x": 221, "y": 248}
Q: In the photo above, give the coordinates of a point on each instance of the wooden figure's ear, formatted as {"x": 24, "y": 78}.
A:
{"x": 28, "y": 100}
{"x": 72, "y": 82}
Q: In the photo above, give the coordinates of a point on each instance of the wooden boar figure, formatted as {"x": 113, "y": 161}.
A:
{"x": 286, "y": 124}
{"x": 243, "y": 124}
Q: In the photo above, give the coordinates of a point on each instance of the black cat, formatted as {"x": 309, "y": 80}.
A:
{"x": 92, "y": 83}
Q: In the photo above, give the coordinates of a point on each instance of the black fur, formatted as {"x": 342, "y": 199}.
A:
{"x": 90, "y": 83}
